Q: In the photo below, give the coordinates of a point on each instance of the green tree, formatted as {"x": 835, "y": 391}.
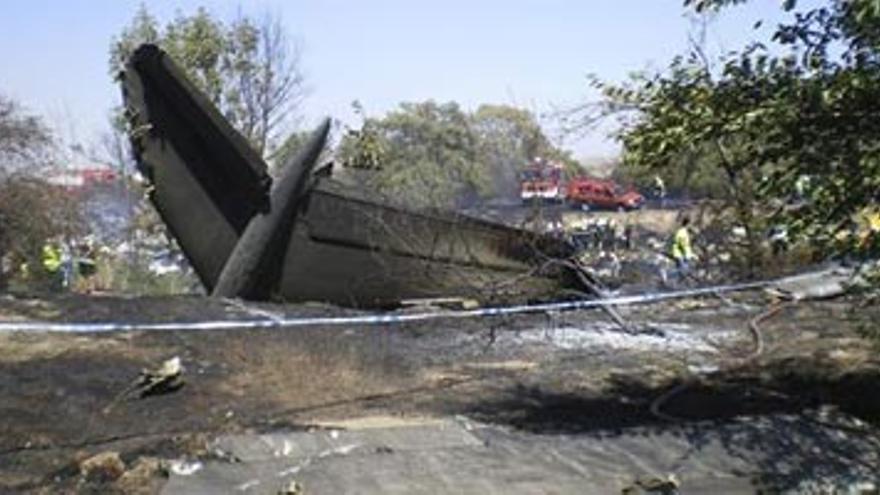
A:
{"x": 198, "y": 43}
{"x": 509, "y": 139}
{"x": 144, "y": 28}
{"x": 695, "y": 176}
{"x": 769, "y": 117}
{"x": 248, "y": 68}
{"x": 430, "y": 154}
{"x": 362, "y": 148}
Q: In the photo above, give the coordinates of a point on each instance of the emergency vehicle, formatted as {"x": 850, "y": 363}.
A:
{"x": 586, "y": 193}
{"x": 542, "y": 181}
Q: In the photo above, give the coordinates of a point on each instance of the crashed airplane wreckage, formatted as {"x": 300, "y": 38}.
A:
{"x": 305, "y": 236}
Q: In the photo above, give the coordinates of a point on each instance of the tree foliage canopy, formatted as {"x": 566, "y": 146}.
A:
{"x": 510, "y": 138}
{"x": 438, "y": 155}
{"x": 24, "y": 138}
{"x": 248, "y": 68}
{"x": 806, "y": 107}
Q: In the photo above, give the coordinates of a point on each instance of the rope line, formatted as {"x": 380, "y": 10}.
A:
{"x": 372, "y": 319}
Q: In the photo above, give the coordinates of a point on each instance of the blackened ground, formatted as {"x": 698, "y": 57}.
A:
{"x": 566, "y": 373}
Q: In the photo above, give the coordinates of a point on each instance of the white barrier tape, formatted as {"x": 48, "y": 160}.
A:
{"x": 375, "y": 319}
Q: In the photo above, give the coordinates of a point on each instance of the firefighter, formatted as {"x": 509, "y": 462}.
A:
{"x": 56, "y": 263}
{"x": 51, "y": 258}
{"x": 51, "y": 262}
{"x": 680, "y": 249}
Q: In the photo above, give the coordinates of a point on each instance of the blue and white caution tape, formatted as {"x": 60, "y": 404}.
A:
{"x": 372, "y": 319}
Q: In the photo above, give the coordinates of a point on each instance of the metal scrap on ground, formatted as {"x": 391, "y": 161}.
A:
{"x": 168, "y": 377}
{"x": 822, "y": 284}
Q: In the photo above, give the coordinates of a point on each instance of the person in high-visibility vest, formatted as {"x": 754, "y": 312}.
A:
{"x": 57, "y": 263}
{"x": 681, "y": 250}
{"x": 51, "y": 258}
{"x": 52, "y": 261}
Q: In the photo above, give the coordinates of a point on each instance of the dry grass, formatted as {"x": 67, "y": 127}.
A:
{"x": 291, "y": 374}
{"x": 22, "y": 347}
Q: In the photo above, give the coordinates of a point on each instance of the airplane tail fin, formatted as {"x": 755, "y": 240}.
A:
{"x": 207, "y": 182}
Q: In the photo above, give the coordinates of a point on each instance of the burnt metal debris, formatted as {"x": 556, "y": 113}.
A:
{"x": 305, "y": 236}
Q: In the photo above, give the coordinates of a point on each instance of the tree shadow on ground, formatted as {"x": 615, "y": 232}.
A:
{"x": 783, "y": 433}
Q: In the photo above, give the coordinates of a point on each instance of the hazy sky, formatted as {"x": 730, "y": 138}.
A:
{"x": 533, "y": 54}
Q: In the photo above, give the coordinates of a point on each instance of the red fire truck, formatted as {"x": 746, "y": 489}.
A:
{"x": 542, "y": 181}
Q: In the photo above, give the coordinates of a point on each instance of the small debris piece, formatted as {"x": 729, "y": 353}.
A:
{"x": 166, "y": 378}
{"x": 103, "y": 467}
{"x": 667, "y": 485}
{"x": 292, "y": 488}
{"x": 823, "y": 284}
{"x": 184, "y": 468}
{"x": 171, "y": 367}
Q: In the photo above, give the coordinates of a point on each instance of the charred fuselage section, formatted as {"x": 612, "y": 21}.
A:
{"x": 303, "y": 236}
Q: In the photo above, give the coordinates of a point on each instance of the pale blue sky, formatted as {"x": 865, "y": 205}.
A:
{"x": 530, "y": 53}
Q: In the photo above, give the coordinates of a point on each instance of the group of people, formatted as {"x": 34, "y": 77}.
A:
{"x": 62, "y": 262}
